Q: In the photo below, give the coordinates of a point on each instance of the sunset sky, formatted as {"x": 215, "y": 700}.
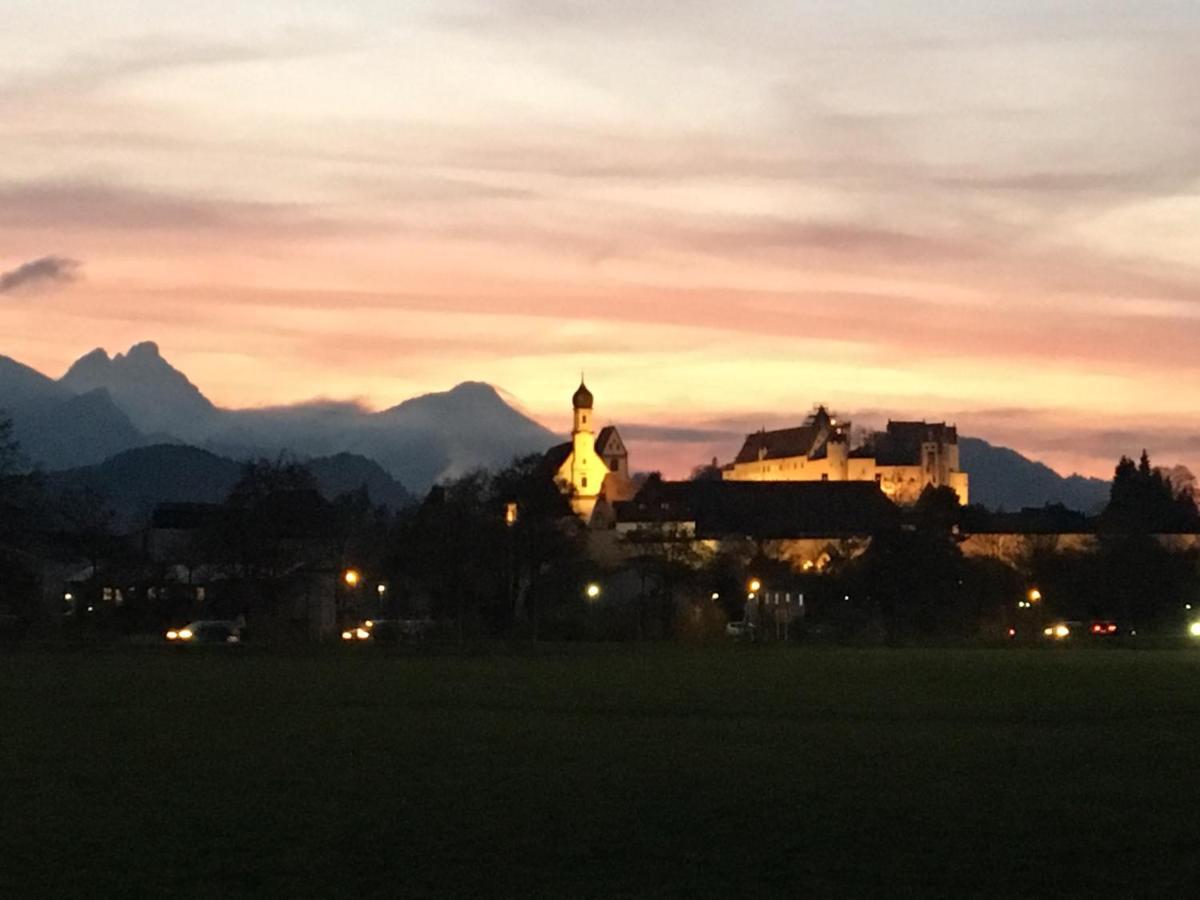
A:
{"x": 723, "y": 212}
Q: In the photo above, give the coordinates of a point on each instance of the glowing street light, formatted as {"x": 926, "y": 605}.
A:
{"x": 1034, "y": 595}
{"x": 592, "y": 591}
{"x": 1194, "y": 629}
{"x": 351, "y": 577}
{"x": 381, "y": 589}
{"x": 755, "y": 585}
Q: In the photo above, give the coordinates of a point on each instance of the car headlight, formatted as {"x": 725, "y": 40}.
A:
{"x": 172, "y": 635}
{"x": 1194, "y": 629}
{"x": 185, "y": 634}
{"x": 347, "y": 635}
{"x": 361, "y": 633}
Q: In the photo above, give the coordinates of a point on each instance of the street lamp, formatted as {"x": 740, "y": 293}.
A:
{"x": 351, "y": 577}
{"x": 755, "y": 585}
{"x": 1034, "y": 595}
{"x": 592, "y": 591}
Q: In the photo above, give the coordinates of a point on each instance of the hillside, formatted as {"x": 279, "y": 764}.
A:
{"x": 135, "y": 481}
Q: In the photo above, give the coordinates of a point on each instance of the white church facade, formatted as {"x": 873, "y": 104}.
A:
{"x": 593, "y": 466}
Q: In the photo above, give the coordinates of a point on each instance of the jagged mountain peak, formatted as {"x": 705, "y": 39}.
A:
{"x": 143, "y": 350}
{"x": 155, "y": 395}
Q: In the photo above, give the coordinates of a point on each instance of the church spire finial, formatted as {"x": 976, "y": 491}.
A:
{"x": 583, "y": 397}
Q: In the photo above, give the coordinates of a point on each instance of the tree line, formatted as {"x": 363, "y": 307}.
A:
{"x": 501, "y": 554}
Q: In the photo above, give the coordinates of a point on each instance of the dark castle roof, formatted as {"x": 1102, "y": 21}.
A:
{"x": 778, "y": 444}
{"x": 765, "y": 509}
{"x": 808, "y": 440}
{"x": 901, "y": 444}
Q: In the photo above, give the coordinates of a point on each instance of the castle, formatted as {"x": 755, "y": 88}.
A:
{"x": 903, "y": 460}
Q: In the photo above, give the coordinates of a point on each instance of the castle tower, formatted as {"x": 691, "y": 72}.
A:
{"x": 837, "y": 451}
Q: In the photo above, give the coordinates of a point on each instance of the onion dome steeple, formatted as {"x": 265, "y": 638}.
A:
{"x": 583, "y": 397}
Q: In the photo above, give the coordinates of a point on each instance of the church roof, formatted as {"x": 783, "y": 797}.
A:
{"x": 556, "y": 456}
{"x": 582, "y": 399}
{"x": 602, "y": 439}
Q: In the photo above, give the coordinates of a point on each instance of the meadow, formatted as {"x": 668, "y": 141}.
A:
{"x": 600, "y": 771}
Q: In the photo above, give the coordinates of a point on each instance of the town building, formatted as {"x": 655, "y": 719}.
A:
{"x": 593, "y": 469}
{"x": 903, "y": 460}
{"x": 807, "y": 524}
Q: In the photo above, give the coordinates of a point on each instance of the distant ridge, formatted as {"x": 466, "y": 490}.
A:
{"x": 155, "y": 395}
{"x": 137, "y": 398}
{"x": 105, "y": 405}
{"x": 1003, "y": 479}
{"x": 137, "y": 480}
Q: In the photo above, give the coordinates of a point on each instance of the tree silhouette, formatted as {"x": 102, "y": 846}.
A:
{"x": 1143, "y": 500}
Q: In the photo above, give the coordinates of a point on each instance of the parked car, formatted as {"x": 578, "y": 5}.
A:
{"x": 1061, "y": 631}
{"x": 206, "y": 631}
{"x": 364, "y": 631}
{"x": 740, "y": 630}
{"x": 387, "y": 631}
{"x": 1103, "y": 628}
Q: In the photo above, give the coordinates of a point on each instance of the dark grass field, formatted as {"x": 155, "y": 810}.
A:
{"x": 728, "y": 771}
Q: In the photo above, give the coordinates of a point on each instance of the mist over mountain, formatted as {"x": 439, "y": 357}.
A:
{"x": 106, "y": 405}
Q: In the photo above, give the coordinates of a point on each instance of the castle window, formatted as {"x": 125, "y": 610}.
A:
{"x": 824, "y": 476}
{"x": 583, "y": 481}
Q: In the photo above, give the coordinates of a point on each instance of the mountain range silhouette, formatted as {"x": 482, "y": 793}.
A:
{"x": 105, "y": 407}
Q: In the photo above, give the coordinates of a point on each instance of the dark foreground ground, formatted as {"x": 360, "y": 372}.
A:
{"x": 601, "y": 772}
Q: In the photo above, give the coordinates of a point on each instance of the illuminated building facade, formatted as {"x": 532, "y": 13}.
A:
{"x": 590, "y": 467}
{"x": 903, "y": 460}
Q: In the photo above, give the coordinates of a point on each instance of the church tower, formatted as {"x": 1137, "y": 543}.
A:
{"x": 586, "y": 474}
{"x": 592, "y": 465}
{"x": 583, "y": 402}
